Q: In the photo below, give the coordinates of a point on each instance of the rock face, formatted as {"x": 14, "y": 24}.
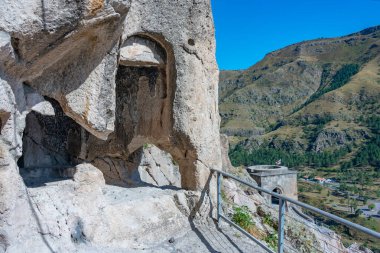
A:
{"x": 158, "y": 168}
{"x": 91, "y": 82}
{"x": 331, "y": 137}
{"x": 224, "y": 144}
{"x": 73, "y": 213}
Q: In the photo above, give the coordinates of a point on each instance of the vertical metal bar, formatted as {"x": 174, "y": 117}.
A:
{"x": 281, "y": 223}
{"x": 219, "y": 190}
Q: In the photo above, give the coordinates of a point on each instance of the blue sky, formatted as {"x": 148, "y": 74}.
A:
{"x": 246, "y": 30}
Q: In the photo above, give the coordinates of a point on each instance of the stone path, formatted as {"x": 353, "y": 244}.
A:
{"x": 201, "y": 239}
{"x": 210, "y": 239}
{"x": 136, "y": 220}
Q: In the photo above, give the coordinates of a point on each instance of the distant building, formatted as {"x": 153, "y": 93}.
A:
{"x": 320, "y": 180}
{"x": 278, "y": 179}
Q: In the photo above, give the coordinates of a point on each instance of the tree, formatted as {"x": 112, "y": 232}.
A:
{"x": 355, "y": 189}
{"x": 354, "y": 204}
{"x": 358, "y": 212}
{"x": 343, "y": 187}
{"x": 362, "y": 180}
{"x": 318, "y": 188}
{"x": 371, "y": 206}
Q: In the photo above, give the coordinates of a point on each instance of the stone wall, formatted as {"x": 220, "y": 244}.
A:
{"x": 284, "y": 183}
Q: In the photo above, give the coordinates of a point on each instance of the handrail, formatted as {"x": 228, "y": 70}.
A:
{"x": 283, "y": 200}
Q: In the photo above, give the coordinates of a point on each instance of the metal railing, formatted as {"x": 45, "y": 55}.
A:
{"x": 281, "y": 213}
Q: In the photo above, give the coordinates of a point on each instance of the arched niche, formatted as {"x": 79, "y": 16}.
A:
{"x": 143, "y": 108}
{"x": 275, "y": 200}
{"x": 145, "y": 87}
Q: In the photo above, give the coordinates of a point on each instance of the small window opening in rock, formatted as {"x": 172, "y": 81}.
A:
{"x": 191, "y": 42}
{"x": 51, "y": 145}
{"x": 275, "y": 200}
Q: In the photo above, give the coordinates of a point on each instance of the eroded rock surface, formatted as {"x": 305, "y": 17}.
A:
{"x": 159, "y": 168}
{"x": 84, "y": 86}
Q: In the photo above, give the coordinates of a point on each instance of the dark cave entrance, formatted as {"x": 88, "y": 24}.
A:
{"x": 275, "y": 200}
{"x": 51, "y": 146}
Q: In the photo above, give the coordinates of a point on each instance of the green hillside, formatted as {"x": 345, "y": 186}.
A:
{"x": 313, "y": 103}
{"x": 316, "y": 106}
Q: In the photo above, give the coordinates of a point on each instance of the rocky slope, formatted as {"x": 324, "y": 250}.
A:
{"x": 312, "y": 96}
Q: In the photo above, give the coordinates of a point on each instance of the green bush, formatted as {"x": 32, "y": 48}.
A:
{"x": 358, "y": 212}
{"x": 272, "y": 240}
{"x": 267, "y": 219}
{"x": 242, "y": 217}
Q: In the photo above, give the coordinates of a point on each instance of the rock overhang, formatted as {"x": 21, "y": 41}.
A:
{"x": 71, "y": 52}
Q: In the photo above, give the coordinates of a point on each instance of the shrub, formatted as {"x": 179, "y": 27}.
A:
{"x": 267, "y": 219}
{"x": 271, "y": 240}
{"x": 242, "y": 217}
{"x": 358, "y": 212}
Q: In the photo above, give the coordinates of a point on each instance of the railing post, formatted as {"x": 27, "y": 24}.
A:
{"x": 281, "y": 223}
{"x": 219, "y": 190}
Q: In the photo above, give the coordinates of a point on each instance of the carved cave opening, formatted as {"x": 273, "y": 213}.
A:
{"x": 51, "y": 145}
{"x": 144, "y": 111}
{"x": 54, "y": 145}
{"x": 142, "y": 104}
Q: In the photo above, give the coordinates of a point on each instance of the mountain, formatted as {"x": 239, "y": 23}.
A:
{"x": 312, "y": 102}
